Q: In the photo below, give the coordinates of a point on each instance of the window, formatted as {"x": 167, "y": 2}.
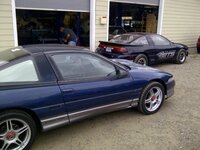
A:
{"x": 21, "y": 72}
{"x": 159, "y": 40}
{"x": 9, "y": 55}
{"x": 74, "y": 66}
{"x": 140, "y": 41}
{"x": 124, "y": 39}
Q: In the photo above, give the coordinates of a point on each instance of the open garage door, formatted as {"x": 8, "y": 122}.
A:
{"x": 133, "y": 16}
{"x": 39, "y": 21}
{"x": 41, "y": 27}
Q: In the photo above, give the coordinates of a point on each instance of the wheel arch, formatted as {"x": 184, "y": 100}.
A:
{"x": 29, "y": 112}
{"x": 161, "y": 82}
{"x": 145, "y": 54}
{"x": 176, "y": 56}
{"x": 141, "y": 106}
{"x": 148, "y": 58}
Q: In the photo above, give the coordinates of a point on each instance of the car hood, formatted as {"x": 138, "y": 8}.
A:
{"x": 182, "y": 46}
{"x": 143, "y": 71}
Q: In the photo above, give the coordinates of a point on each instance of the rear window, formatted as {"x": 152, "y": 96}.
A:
{"x": 8, "y": 55}
{"x": 124, "y": 39}
{"x": 22, "y": 72}
{"x": 12, "y": 70}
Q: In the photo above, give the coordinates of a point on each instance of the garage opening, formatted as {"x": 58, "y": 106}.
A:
{"x": 133, "y": 17}
{"x": 38, "y": 26}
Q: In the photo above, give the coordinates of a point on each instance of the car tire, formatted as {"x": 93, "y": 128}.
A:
{"x": 151, "y": 98}
{"x": 180, "y": 58}
{"x": 141, "y": 59}
{"x": 17, "y": 130}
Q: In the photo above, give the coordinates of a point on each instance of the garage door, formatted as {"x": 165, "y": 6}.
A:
{"x": 71, "y": 5}
{"x": 148, "y": 2}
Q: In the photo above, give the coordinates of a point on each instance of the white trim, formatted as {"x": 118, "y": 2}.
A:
{"x": 92, "y": 24}
{"x": 50, "y": 9}
{"x": 130, "y": 2}
{"x": 14, "y": 23}
{"x": 160, "y": 16}
{"x": 108, "y": 20}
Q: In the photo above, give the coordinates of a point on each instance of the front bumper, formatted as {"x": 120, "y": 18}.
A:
{"x": 170, "y": 88}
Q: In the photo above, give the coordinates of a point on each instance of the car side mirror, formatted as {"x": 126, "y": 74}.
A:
{"x": 121, "y": 73}
{"x": 117, "y": 74}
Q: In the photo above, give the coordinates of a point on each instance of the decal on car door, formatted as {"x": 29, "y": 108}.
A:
{"x": 166, "y": 54}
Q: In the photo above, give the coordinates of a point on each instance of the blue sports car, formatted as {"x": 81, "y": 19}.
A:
{"x": 46, "y": 86}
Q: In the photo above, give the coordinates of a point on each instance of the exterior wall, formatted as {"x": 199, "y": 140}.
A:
{"x": 6, "y": 25}
{"x": 181, "y": 21}
{"x": 101, "y": 30}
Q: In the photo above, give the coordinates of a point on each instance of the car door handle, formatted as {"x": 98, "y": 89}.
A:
{"x": 67, "y": 90}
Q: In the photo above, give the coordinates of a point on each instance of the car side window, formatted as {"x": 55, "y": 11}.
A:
{"x": 159, "y": 40}
{"x": 76, "y": 66}
{"x": 21, "y": 72}
{"x": 140, "y": 41}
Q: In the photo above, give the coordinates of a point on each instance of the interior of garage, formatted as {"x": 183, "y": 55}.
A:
{"x": 134, "y": 17}
{"x": 39, "y": 26}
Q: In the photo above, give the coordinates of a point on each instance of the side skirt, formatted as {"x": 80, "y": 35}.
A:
{"x": 55, "y": 122}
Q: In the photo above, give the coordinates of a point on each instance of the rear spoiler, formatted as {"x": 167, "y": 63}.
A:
{"x": 117, "y": 44}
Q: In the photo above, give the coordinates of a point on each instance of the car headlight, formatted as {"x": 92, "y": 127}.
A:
{"x": 171, "y": 79}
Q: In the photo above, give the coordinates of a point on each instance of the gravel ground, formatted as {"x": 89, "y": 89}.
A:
{"x": 175, "y": 126}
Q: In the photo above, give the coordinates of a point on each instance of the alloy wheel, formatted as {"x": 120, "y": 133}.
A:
{"x": 153, "y": 99}
{"x": 15, "y": 134}
{"x": 182, "y": 57}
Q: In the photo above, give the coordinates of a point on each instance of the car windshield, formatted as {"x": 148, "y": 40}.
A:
{"x": 124, "y": 39}
{"x": 116, "y": 30}
{"x": 10, "y": 54}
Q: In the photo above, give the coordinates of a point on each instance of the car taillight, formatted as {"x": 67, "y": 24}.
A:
{"x": 101, "y": 45}
{"x": 119, "y": 49}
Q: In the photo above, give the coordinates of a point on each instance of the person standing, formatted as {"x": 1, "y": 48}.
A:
{"x": 68, "y": 36}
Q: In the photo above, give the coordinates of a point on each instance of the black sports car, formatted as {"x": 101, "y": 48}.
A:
{"x": 143, "y": 48}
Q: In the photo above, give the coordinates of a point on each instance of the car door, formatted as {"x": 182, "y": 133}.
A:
{"x": 90, "y": 85}
{"x": 163, "y": 49}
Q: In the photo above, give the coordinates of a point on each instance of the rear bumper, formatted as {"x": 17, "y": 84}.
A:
{"x": 170, "y": 88}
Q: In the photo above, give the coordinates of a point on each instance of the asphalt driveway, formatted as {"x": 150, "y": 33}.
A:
{"x": 175, "y": 126}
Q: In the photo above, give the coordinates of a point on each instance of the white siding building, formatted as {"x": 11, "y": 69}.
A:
{"x": 181, "y": 21}
{"x": 177, "y": 20}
